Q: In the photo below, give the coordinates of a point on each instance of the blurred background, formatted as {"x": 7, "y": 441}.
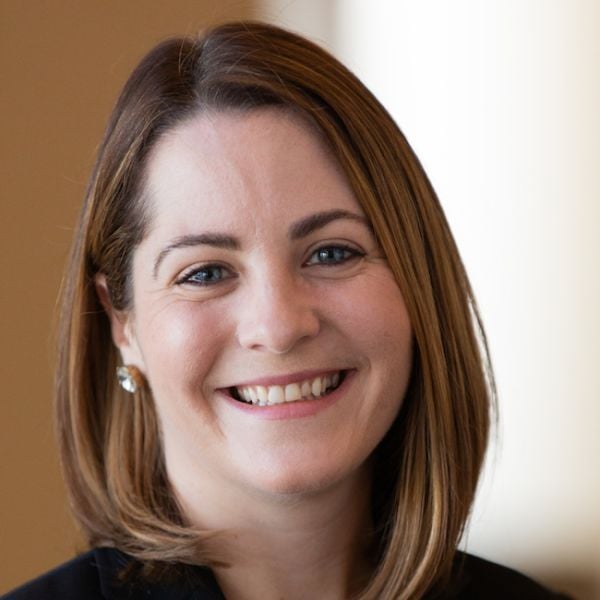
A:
{"x": 499, "y": 98}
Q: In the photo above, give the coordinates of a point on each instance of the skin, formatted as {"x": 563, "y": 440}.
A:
{"x": 291, "y": 489}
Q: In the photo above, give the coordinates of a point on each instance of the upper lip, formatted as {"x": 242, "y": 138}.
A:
{"x": 286, "y": 379}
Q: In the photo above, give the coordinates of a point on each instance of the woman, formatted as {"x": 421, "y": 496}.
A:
{"x": 305, "y": 389}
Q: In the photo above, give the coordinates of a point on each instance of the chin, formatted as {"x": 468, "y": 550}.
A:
{"x": 288, "y": 483}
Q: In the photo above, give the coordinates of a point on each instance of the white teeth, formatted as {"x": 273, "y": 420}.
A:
{"x": 261, "y": 394}
{"x": 316, "y": 387}
{"x": 306, "y": 389}
{"x": 276, "y": 394}
{"x": 292, "y": 392}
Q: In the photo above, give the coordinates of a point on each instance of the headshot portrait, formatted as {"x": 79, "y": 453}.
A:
{"x": 316, "y": 314}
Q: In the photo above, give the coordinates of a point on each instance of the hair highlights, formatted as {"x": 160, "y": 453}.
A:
{"x": 427, "y": 467}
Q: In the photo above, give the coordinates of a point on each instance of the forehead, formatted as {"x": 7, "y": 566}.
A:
{"x": 217, "y": 165}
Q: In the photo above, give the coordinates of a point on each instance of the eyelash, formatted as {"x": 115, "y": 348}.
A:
{"x": 187, "y": 277}
{"x": 349, "y": 253}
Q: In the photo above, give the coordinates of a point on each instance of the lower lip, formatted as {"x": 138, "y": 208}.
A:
{"x": 293, "y": 410}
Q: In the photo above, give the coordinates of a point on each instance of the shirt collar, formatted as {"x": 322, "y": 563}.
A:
{"x": 110, "y": 562}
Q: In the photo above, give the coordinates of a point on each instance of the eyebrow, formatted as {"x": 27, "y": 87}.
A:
{"x": 216, "y": 240}
{"x": 307, "y": 225}
{"x": 297, "y": 230}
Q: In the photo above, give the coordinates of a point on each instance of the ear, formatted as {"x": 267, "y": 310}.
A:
{"x": 121, "y": 326}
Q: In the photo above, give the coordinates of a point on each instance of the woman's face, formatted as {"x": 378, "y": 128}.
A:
{"x": 265, "y": 318}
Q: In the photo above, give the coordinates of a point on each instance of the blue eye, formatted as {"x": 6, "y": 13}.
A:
{"x": 207, "y": 275}
{"x": 333, "y": 255}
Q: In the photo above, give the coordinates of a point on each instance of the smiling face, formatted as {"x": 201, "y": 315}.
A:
{"x": 271, "y": 331}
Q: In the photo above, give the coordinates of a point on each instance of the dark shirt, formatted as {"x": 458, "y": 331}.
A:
{"x": 94, "y": 576}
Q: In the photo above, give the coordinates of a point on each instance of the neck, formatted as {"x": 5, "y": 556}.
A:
{"x": 296, "y": 546}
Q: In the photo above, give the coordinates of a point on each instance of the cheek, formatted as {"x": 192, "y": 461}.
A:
{"x": 382, "y": 330}
{"x": 373, "y": 313}
{"x": 179, "y": 344}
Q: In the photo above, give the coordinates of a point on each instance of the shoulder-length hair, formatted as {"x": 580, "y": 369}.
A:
{"x": 427, "y": 467}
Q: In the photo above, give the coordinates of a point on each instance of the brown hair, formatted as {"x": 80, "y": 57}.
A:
{"x": 427, "y": 467}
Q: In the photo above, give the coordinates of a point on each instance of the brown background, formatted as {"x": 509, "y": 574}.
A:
{"x": 62, "y": 66}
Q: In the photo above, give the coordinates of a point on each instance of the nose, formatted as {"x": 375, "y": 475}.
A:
{"x": 277, "y": 315}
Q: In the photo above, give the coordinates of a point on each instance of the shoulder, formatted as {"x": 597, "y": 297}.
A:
{"x": 477, "y": 578}
{"x": 78, "y": 577}
{"x": 95, "y": 575}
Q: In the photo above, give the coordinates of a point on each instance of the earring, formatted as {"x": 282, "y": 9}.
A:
{"x": 129, "y": 378}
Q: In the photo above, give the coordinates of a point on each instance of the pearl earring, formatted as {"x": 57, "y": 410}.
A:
{"x": 129, "y": 378}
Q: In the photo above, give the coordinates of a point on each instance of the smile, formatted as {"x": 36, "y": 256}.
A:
{"x": 307, "y": 389}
